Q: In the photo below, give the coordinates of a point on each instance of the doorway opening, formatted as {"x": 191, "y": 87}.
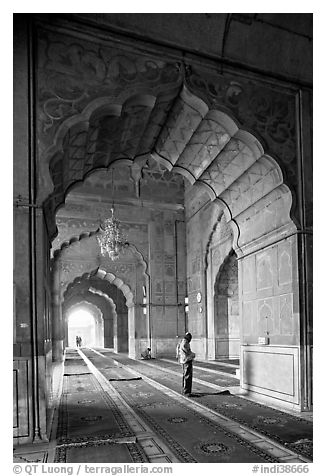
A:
{"x": 84, "y": 324}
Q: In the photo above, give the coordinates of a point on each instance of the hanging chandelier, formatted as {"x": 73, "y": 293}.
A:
{"x": 111, "y": 238}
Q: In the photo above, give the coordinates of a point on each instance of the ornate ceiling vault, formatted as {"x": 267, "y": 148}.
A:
{"x": 99, "y": 105}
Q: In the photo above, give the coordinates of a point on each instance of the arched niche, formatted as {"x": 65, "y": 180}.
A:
{"x": 226, "y": 310}
{"x": 218, "y": 248}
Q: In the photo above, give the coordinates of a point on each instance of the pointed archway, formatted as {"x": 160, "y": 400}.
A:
{"x": 226, "y": 310}
{"x": 86, "y": 322}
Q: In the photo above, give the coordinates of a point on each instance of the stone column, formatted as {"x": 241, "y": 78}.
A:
{"x": 57, "y": 322}
{"x": 305, "y": 242}
{"x": 115, "y": 332}
{"x": 108, "y": 332}
{"x": 134, "y": 350}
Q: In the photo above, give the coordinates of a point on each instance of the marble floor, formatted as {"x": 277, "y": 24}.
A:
{"x": 117, "y": 410}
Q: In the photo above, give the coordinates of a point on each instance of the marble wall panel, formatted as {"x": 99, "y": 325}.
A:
{"x": 249, "y": 276}
{"x": 169, "y": 269}
{"x": 165, "y": 347}
{"x": 286, "y": 315}
{"x": 234, "y": 307}
{"x": 15, "y": 422}
{"x": 168, "y": 300}
{"x": 265, "y": 216}
{"x": 265, "y": 270}
{"x": 164, "y": 321}
{"x": 234, "y": 324}
{"x": 276, "y": 320}
{"x": 276, "y": 269}
{"x": 198, "y": 345}
{"x": 168, "y": 243}
{"x": 285, "y": 263}
{"x": 22, "y": 399}
{"x": 170, "y": 288}
{"x": 265, "y": 317}
{"x": 261, "y": 371}
{"x": 222, "y": 348}
{"x": 248, "y": 321}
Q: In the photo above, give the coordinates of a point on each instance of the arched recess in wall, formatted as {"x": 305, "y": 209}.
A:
{"x": 226, "y": 310}
{"x": 218, "y": 248}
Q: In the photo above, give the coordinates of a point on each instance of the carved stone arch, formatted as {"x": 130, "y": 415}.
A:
{"x": 229, "y": 162}
{"x": 108, "y": 276}
{"x": 140, "y": 258}
{"x": 197, "y": 140}
{"x": 132, "y": 271}
{"x": 108, "y": 309}
{"x": 112, "y": 278}
{"x": 96, "y": 109}
{"x": 116, "y": 319}
{"x": 74, "y": 239}
{"x": 146, "y": 95}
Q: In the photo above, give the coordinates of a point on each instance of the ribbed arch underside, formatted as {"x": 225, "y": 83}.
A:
{"x": 182, "y": 133}
{"x": 92, "y": 279}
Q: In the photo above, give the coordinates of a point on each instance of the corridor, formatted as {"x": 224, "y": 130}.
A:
{"x": 114, "y": 409}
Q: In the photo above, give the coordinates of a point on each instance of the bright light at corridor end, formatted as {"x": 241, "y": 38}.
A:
{"x": 81, "y": 318}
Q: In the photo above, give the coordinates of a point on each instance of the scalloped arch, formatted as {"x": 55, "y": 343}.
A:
{"x": 95, "y": 109}
{"x": 111, "y": 278}
{"x": 84, "y": 235}
{"x": 204, "y": 145}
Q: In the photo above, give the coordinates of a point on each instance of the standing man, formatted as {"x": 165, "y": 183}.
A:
{"x": 185, "y": 357}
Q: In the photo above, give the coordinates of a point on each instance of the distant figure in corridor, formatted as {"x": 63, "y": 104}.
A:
{"x": 146, "y": 354}
{"x": 78, "y": 341}
{"x": 185, "y": 357}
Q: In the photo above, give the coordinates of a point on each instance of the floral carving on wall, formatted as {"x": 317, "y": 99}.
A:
{"x": 72, "y": 72}
{"x": 264, "y": 110}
